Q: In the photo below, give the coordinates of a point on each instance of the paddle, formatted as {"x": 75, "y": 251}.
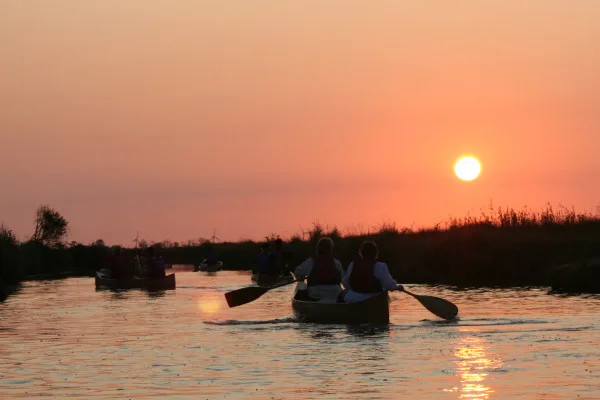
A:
{"x": 440, "y": 307}
{"x": 250, "y": 293}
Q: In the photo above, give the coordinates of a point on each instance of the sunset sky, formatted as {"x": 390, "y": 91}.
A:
{"x": 257, "y": 117}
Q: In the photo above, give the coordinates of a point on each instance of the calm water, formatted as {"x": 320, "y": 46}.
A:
{"x": 64, "y": 339}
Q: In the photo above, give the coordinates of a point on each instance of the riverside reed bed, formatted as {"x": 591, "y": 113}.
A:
{"x": 499, "y": 247}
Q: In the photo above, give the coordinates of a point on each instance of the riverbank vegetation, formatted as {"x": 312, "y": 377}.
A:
{"x": 500, "y": 247}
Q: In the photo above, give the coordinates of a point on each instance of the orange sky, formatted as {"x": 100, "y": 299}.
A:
{"x": 251, "y": 117}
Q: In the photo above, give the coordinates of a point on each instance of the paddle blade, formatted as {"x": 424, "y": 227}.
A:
{"x": 244, "y": 295}
{"x": 440, "y": 307}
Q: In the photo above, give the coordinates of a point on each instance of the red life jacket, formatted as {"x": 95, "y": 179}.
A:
{"x": 362, "y": 278}
{"x": 323, "y": 272}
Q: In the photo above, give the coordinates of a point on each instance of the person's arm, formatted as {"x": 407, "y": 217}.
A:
{"x": 385, "y": 278}
{"x": 346, "y": 280}
{"x": 304, "y": 269}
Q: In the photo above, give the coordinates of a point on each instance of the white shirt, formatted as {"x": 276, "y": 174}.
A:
{"x": 320, "y": 291}
{"x": 381, "y": 272}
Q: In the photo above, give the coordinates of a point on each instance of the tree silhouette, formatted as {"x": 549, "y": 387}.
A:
{"x": 50, "y": 227}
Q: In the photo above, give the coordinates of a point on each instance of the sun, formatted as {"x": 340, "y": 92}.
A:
{"x": 467, "y": 168}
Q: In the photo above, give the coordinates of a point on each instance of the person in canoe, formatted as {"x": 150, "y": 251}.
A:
{"x": 323, "y": 272}
{"x": 155, "y": 266}
{"x": 264, "y": 259}
{"x": 118, "y": 269}
{"x": 278, "y": 259}
{"x": 367, "y": 277}
{"x": 136, "y": 264}
{"x": 211, "y": 256}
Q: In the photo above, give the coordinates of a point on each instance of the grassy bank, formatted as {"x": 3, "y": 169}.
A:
{"x": 501, "y": 248}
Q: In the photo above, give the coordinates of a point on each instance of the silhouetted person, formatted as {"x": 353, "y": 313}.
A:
{"x": 264, "y": 259}
{"x": 136, "y": 264}
{"x": 155, "y": 266}
{"x": 324, "y": 273}
{"x": 367, "y": 277}
{"x": 118, "y": 269}
{"x": 278, "y": 262}
{"x": 211, "y": 256}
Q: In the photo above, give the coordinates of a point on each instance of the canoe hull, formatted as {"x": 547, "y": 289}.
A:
{"x": 264, "y": 280}
{"x": 166, "y": 283}
{"x": 374, "y": 310}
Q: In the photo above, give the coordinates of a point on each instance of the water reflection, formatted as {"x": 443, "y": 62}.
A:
{"x": 118, "y": 294}
{"x": 368, "y": 330}
{"x": 155, "y": 293}
{"x": 473, "y": 365}
{"x": 210, "y": 302}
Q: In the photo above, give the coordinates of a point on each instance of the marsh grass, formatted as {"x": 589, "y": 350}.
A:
{"x": 499, "y": 247}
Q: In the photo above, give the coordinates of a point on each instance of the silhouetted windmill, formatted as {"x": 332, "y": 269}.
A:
{"x": 214, "y": 236}
{"x": 137, "y": 239}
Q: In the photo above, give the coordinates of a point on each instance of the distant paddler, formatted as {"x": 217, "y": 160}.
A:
{"x": 117, "y": 266}
{"x": 211, "y": 256}
{"x": 138, "y": 269}
{"x": 323, "y": 272}
{"x": 264, "y": 260}
{"x": 278, "y": 257}
{"x": 155, "y": 266}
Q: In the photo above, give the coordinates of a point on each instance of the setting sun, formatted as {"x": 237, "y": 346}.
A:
{"x": 467, "y": 168}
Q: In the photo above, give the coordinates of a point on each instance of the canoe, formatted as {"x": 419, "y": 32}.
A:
{"x": 372, "y": 310}
{"x": 166, "y": 283}
{"x": 265, "y": 280}
{"x": 209, "y": 268}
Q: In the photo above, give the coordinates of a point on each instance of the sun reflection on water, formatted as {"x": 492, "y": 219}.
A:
{"x": 210, "y": 303}
{"x": 473, "y": 364}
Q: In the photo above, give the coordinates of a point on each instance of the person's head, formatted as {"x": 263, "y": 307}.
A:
{"x": 278, "y": 244}
{"x": 117, "y": 250}
{"x": 369, "y": 251}
{"x": 325, "y": 246}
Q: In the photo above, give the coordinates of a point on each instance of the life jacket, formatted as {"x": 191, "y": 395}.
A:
{"x": 323, "y": 272}
{"x": 362, "y": 278}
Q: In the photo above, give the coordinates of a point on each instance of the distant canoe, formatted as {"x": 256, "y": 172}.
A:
{"x": 166, "y": 283}
{"x": 372, "y": 310}
{"x": 209, "y": 268}
{"x": 265, "y": 280}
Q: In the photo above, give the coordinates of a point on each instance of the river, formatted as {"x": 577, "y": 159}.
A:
{"x": 64, "y": 339}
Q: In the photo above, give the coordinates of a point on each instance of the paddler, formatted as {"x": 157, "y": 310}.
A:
{"x": 323, "y": 272}
{"x": 367, "y": 277}
{"x": 155, "y": 267}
